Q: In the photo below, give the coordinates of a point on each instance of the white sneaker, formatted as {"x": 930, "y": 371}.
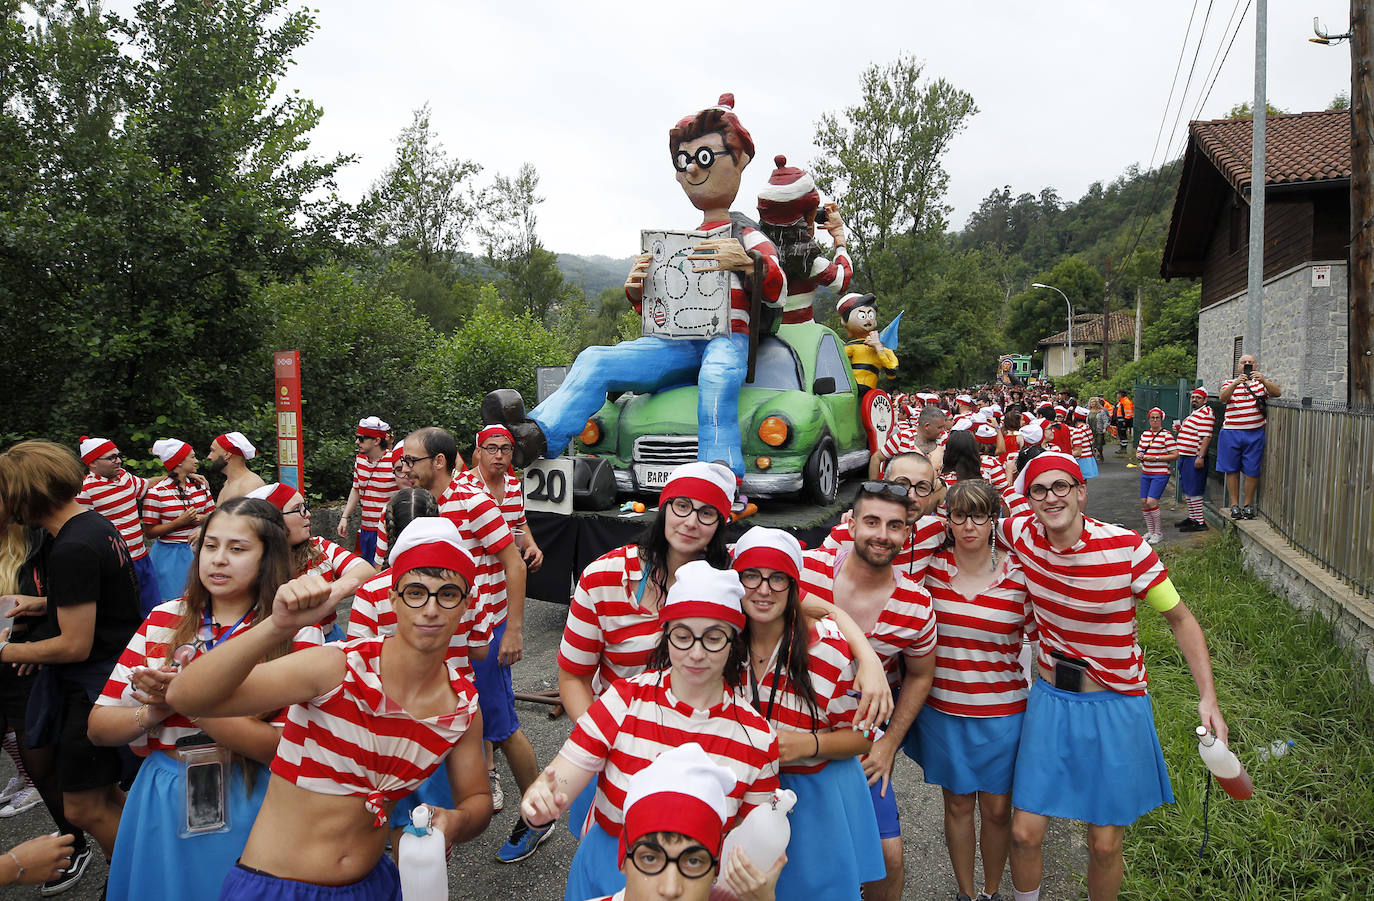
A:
{"x": 24, "y": 800}
{"x": 1153, "y": 537}
{"x": 498, "y": 797}
{"x": 12, "y": 788}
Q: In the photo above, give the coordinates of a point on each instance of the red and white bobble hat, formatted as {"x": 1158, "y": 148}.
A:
{"x": 769, "y": 549}
{"x": 1199, "y": 391}
{"x": 1081, "y": 412}
{"x": 171, "y": 452}
{"x": 236, "y": 443}
{"x": 702, "y": 590}
{"x": 962, "y": 423}
{"x": 965, "y": 399}
{"x": 1154, "y": 410}
{"x": 683, "y": 791}
{"x": 372, "y": 427}
{"x": 275, "y": 493}
{"x": 93, "y": 449}
{"x": 494, "y": 431}
{"x": 710, "y": 483}
{"x": 789, "y": 195}
{"x": 1031, "y": 433}
{"x": 986, "y": 433}
{"x": 851, "y": 302}
{"x": 1049, "y": 460}
{"x": 431, "y": 541}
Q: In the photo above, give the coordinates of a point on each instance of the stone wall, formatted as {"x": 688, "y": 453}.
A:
{"x": 1304, "y": 338}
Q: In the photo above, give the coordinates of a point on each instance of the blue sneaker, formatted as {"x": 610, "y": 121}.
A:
{"x": 524, "y": 840}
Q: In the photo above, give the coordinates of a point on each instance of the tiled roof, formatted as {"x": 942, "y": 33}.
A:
{"x": 1298, "y": 147}
{"x": 1088, "y": 330}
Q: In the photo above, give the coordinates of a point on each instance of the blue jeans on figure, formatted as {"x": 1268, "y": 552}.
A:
{"x": 652, "y": 364}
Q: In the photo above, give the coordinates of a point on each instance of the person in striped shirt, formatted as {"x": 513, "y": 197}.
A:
{"x": 112, "y": 491}
{"x": 1083, "y": 442}
{"x": 241, "y": 558}
{"x": 1240, "y": 446}
{"x": 800, "y": 676}
{"x": 789, "y": 211}
{"x": 1088, "y": 748}
{"x": 1194, "y": 437}
{"x": 172, "y": 511}
{"x": 374, "y": 482}
{"x": 368, "y": 721}
{"x": 491, "y": 474}
{"x": 966, "y": 734}
{"x": 690, "y": 695}
{"x": 1155, "y": 449}
{"x": 229, "y": 456}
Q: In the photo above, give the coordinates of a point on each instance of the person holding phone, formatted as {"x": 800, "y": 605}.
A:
{"x": 1240, "y": 446}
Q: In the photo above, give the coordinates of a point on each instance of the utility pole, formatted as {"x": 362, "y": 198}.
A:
{"x": 1254, "y": 290}
{"x": 1106, "y": 318}
{"x": 1137, "y": 322}
{"x": 1361, "y": 268}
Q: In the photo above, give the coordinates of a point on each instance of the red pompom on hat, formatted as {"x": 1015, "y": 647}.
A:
{"x": 1047, "y": 462}
{"x": 93, "y": 449}
{"x": 710, "y": 483}
{"x": 236, "y": 443}
{"x": 275, "y": 493}
{"x": 682, "y": 790}
{"x": 726, "y": 104}
{"x": 431, "y": 541}
{"x": 171, "y": 452}
{"x": 769, "y": 549}
{"x": 700, "y": 589}
{"x": 789, "y": 196}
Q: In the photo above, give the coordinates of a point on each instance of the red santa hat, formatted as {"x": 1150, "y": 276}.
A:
{"x": 769, "y": 549}
{"x": 494, "y": 431}
{"x": 1047, "y": 462}
{"x": 93, "y": 449}
{"x": 431, "y": 541}
{"x": 275, "y": 493}
{"x": 851, "y": 302}
{"x": 682, "y": 790}
{"x": 702, "y": 590}
{"x": 236, "y": 443}
{"x": 372, "y": 427}
{"x": 171, "y": 452}
{"x": 710, "y": 483}
{"x": 789, "y": 195}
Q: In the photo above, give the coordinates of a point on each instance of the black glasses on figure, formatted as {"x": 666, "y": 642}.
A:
{"x": 979, "y": 519}
{"x": 650, "y": 859}
{"x": 713, "y": 639}
{"x": 704, "y": 157}
{"x": 706, "y": 514}
{"x": 920, "y": 489}
{"x": 1060, "y": 489}
{"x": 777, "y": 580}
{"x": 498, "y": 449}
{"x": 300, "y": 509}
{"x": 408, "y": 461}
{"x": 416, "y": 595}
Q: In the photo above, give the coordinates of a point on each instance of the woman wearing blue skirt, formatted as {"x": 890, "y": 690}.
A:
{"x": 800, "y": 676}
{"x": 967, "y": 733}
{"x": 172, "y": 511}
{"x": 163, "y": 850}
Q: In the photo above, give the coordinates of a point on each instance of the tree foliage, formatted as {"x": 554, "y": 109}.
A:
{"x": 1038, "y": 313}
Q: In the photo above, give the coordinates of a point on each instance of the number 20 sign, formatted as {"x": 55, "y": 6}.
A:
{"x": 548, "y": 486}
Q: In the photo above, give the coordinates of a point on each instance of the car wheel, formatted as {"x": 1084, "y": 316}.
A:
{"x": 821, "y": 477}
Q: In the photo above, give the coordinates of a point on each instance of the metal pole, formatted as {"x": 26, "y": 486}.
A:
{"x": 1070, "y": 309}
{"x": 1255, "y": 282}
{"x": 1137, "y": 322}
{"x": 1106, "y": 318}
{"x": 1361, "y": 269}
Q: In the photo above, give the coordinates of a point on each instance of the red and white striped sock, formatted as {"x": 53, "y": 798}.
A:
{"x": 1152, "y": 521}
{"x": 12, "y": 748}
{"x": 1195, "y": 509}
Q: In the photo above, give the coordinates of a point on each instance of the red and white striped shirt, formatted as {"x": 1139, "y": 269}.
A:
{"x": 609, "y": 635}
{"x": 375, "y": 483}
{"x": 511, "y": 504}
{"x": 354, "y": 740}
{"x": 774, "y": 282}
{"x": 373, "y": 616}
{"x": 117, "y": 501}
{"x": 994, "y": 472}
{"x": 900, "y": 440}
{"x": 329, "y": 561}
{"x": 1085, "y": 596}
{"x": 164, "y": 503}
{"x": 151, "y": 646}
{"x": 485, "y": 534}
{"x": 1082, "y": 439}
{"x": 636, "y": 719}
{"x": 801, "y": 293}
{"x": 906, "y": 624}
{"x": 832, "y": 676}
{"x": 977, "y": 655}
{"x": 1160, "y": 442}
{"x": 927, "y": 534}
{"x": 1193, "y": 429}
{"x": 1242, "y": 410}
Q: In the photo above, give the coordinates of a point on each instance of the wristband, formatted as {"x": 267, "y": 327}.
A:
{"x": 2, "y": 648}
{"x": 817, "y": 738}
{"x": 20, "y": 875}
{"x": 138, "y": 718}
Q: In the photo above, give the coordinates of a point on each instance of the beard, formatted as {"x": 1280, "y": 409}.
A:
{"x": 874, "y": 554}
{"x": 216, "y": 465}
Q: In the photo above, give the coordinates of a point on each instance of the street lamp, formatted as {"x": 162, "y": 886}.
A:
{"x": 1070, "y": 306}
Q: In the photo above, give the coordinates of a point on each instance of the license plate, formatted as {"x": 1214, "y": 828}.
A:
{"x": 652, "y": 476}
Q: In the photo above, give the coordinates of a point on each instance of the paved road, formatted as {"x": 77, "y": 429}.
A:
{"x": 1113, "y": 497}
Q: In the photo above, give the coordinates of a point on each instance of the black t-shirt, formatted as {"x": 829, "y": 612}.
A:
{"x": 33, "y": 581}
{"x": 89, "y": 561}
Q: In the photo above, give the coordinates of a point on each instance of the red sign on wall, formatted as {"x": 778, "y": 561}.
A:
{"x": 286, "y": 365}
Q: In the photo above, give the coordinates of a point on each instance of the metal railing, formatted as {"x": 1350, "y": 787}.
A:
{"x": 1317, "y": 485}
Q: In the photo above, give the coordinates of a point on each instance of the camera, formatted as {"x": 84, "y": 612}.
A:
{"x": 821, "y": 214}
{"x": 1248, "y": 369}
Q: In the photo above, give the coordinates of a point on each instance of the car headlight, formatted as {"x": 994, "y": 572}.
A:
{"x": 773, "y": 431}
{"x": 591, "y": 433}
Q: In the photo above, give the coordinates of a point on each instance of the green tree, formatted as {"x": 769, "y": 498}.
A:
{"x": 1037, "y": 313}
{"x": 532, "y": 279}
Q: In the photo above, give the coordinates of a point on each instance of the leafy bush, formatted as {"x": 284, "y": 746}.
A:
{"x": 1165, "y": 364}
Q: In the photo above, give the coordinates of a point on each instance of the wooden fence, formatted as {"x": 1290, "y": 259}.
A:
{"x": 1317, "y": 486}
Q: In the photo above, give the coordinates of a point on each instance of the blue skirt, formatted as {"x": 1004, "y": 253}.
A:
{"x": 434, "y": 791}
{"x": 152, "y": 862}
{"x": 172, "y": 560}
{"x": 965, "y": 754}
{"x": 1093, "y": 757}
{"x": 1088, "y": 465}
{"x": 383, "y": 883}
{"x": 834, "y": 846}
{"x": 595, "y": 870}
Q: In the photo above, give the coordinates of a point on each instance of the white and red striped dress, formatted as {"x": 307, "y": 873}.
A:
{"x": 1085, "y": 596}
{"x": 1194, "y": 428}
{"x": 511, "y": 503}
{"x": 801, "y": 294}
{"x": 1242, "y": 410}
{"x": 485, "y": 534}
{"x": 977, "y": 654}
{"x": 375, "y": 483}
{"x": 373, "y": 616}
{"x": 163, "y": 503}
{"x": 117, "y": 501}
{"x": 1082, "y": 440}
{"x": 1155, "y": 442}
{"x": 354, "y": 740}
{"x": 927, "y": 534}
{"x": 637, "y": 719}
{"x": 609, "y": 635}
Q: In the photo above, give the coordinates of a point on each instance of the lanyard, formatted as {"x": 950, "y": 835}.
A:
{"x": 773, "y": 689}
{"x": 211, "y": 640}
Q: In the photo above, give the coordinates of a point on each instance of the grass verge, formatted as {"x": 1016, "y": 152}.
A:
{"x": 1308, "y": 832}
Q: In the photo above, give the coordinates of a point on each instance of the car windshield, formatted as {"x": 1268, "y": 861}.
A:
{"x": 776, "y": 366}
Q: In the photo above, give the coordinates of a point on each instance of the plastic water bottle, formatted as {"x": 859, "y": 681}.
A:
{"x": 1278, "y": 748}
{"x": 764, "y": 833}
{"x": 1229, "y": 773}
{"x": 423, "y": 862}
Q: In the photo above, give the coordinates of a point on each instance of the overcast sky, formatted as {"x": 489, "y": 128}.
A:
{"x": 1069, "y": 92}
